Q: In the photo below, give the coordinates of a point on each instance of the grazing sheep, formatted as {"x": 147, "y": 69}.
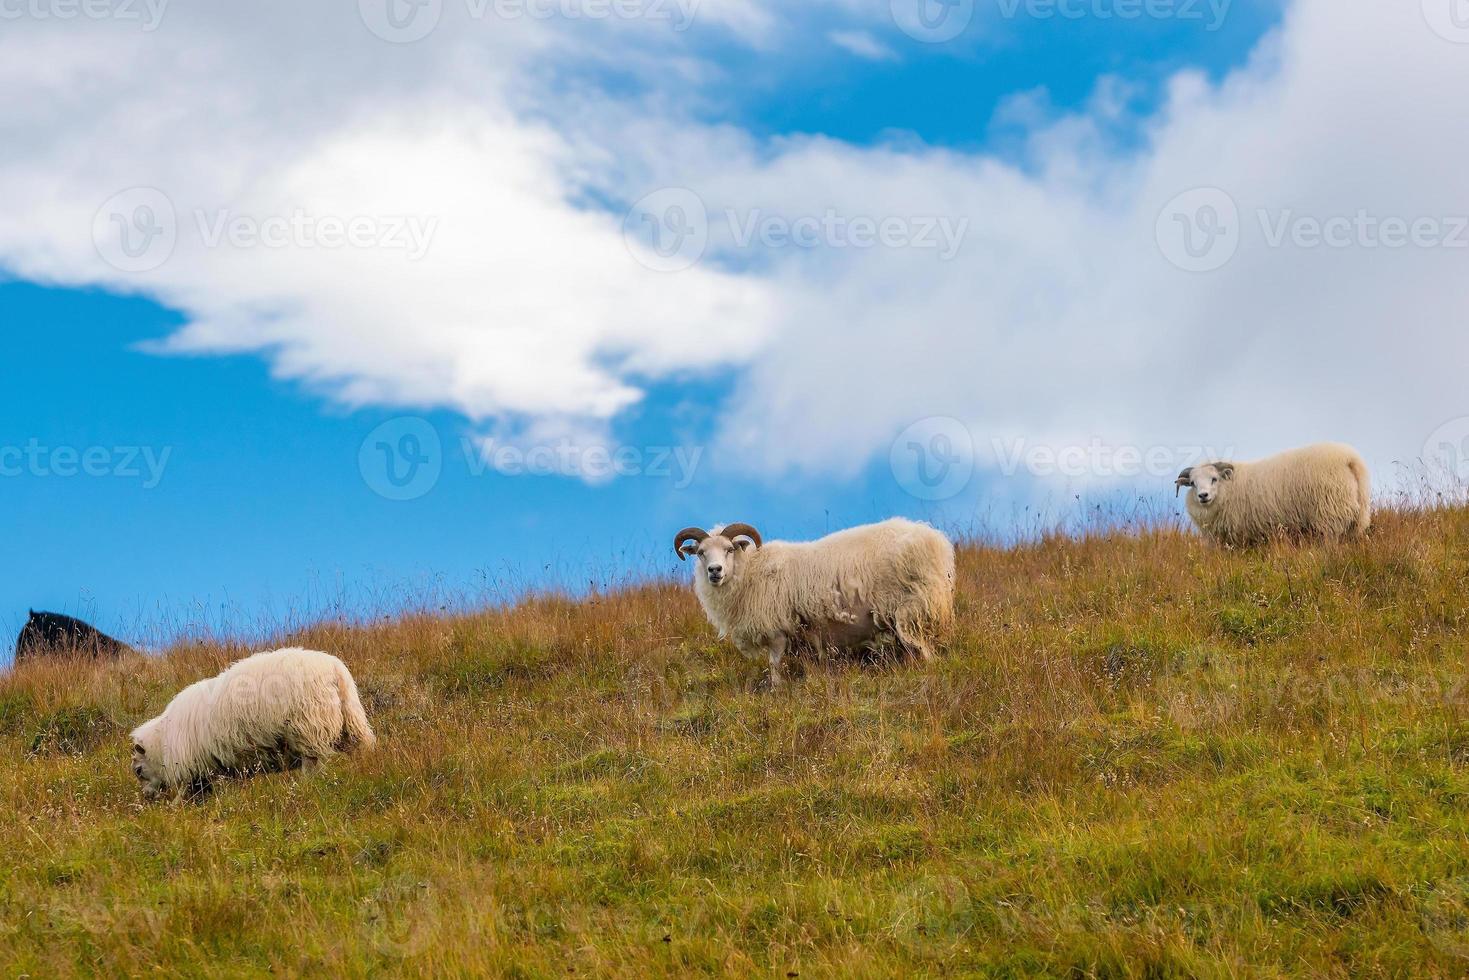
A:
{"x": 1322, "y": 491}
{"x": 850, "y": 590}
{"x": 291, "y": 706}
{"x": 54, "y": 634}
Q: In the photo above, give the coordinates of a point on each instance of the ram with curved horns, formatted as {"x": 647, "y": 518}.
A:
{"x": 856, "y": 589}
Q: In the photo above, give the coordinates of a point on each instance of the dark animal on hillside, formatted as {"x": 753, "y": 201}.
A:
{"x": 52, "y": 634}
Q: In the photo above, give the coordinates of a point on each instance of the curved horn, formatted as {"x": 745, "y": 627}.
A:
{"x": 694, "y": 534}
{"x": 1185, "y": 478}
{"x": 733, "y": 531}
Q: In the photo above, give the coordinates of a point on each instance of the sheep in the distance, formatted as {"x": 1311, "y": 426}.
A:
{"x": 285, "y": 707}
{"x": 52, "y": 634}
{"x": 1322, "y": 491}
{"x": 852, "y": 590}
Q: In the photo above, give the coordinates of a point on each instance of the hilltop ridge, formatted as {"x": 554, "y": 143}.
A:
{"x": 1140, "y": 755}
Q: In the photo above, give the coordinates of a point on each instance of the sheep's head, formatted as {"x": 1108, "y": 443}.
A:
{"x": 718, "y": 553}
{"x": 1206, "y": 481}
{"x": 148, "y": 759}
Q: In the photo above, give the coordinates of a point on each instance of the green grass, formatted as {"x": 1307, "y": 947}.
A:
{"x": 1140, "y": 756}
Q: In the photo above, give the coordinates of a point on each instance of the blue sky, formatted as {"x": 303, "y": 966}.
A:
{"x": 947, "y": 94}
{"x": 241, "y": 398}
{"x": 234, "y": 502}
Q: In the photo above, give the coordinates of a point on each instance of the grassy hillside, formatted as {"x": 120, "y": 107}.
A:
{"x": 1140, "y": 757}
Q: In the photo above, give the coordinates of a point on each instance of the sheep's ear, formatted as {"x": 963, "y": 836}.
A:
{"x": 1226, "y": 471}
{"x": 744, "y": 544}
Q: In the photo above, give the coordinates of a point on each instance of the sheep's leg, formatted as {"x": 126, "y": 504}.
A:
{"x": 309, "y": 763}
{"x": 777, "y": 650}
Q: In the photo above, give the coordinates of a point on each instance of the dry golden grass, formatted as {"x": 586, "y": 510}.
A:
{"x": 1141, "y": 756}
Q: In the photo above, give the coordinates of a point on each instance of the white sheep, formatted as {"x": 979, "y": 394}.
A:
{"x": 850, "y": 590}
{"x": 1322, "y": 491}
{"x": 293, "y": 705}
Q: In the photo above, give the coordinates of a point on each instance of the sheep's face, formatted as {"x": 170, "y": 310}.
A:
{"x": 718, "y": 554}
{"x": 1208, "y": 482}
{"x": 147, "y": 760}
{"x": 718, "y": 557}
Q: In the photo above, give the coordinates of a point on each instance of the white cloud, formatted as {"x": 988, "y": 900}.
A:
{"x": 863, "y": 45}
{"x": 521, "y": 305}
{"x": 1059, "y": 319}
